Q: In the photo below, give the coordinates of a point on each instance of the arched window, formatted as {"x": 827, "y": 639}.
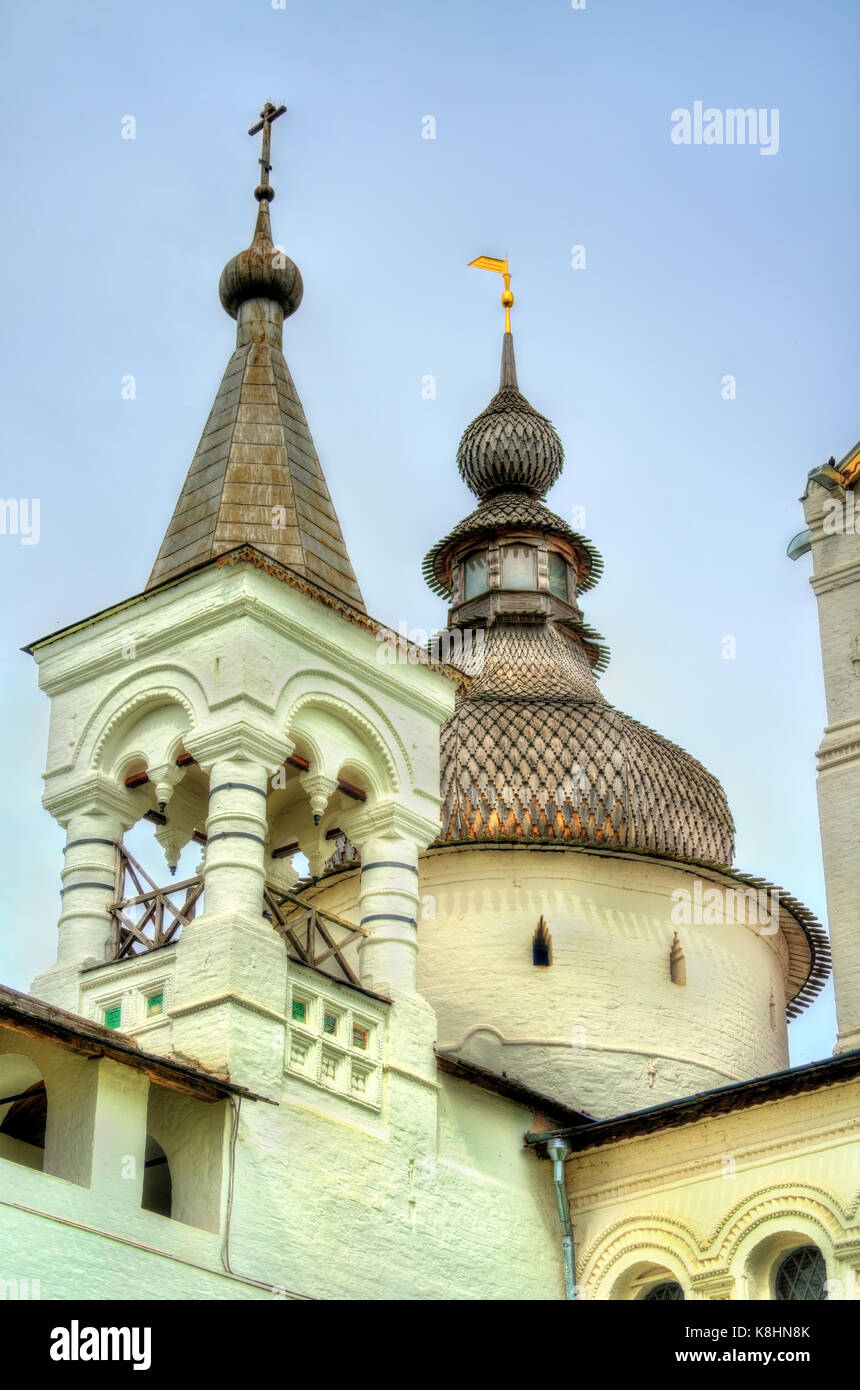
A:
{"x": 801, "y": 1276}
{"x": 667, "y": 1291}
{"x": 519, "y": 567}
{"x": 557, "y": 574}
{"x": 157, "y": 1184}
{"x": 475, "y": 574}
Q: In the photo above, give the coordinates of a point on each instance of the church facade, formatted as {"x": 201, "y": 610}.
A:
{"x": 466, "y": 999}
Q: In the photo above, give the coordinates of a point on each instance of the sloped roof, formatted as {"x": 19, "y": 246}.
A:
{"x": 256, "y": 479}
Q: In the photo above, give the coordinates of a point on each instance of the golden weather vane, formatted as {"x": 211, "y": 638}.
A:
{"x": 501, "y": 268}
{"x": 268, "y": 114}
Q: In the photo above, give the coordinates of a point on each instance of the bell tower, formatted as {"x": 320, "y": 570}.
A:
{"x": 239, "y": 702}
{"x": 829, "y": 504}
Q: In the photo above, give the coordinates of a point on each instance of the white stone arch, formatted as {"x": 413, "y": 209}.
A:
{"x": 767, "y": 1226}
{"x": 19, "y": 1072}
{"x": 388, "y": 761}
{"x": 615, "y": 1261}
{"x": 163, "y": 685}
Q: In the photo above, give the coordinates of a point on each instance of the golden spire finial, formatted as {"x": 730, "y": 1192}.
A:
{"x": 501, "y": 268}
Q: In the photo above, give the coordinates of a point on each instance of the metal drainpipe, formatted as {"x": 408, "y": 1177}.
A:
{"x": 558, "y": 1151}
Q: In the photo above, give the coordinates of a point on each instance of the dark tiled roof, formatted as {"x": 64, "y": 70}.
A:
{"x": 739, "y": 1095}
{"x": 24, "y": 1013}
{"x": 508, "y": 1087}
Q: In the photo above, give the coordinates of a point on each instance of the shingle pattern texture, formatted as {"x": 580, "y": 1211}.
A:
{"x": 509, "y": 445}
{"x": 535, "y": 752}
{"x": 256, "y": 479}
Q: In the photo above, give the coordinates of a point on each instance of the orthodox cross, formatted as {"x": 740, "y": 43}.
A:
{"x": 268, "y": 114}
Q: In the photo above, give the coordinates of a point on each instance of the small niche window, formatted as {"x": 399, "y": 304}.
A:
{"x": 475, "y": 574}
{"x": 519, "y": 567}
{"x": 113, "y": 1016}
{"x": 541, "y": 945}
{"x": 300, "y": 1011}
{"x": 155, "y": 1004}
{"x": 330, "y": 1024}
{"x": 802, "y": 1276}
{"x": 360, "y": 1037}
{"x": 557, "y": 574}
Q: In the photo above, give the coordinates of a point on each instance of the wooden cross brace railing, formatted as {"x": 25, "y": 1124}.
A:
{"x": 304, "y": 926}
{"x": 159, "y": 920}
{"x": 147, "y": 919}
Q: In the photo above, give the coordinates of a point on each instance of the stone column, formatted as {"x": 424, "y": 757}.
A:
{"x": 230, "y": 981}
{"x": 234, "y": 870}
{"x": 86, "y": 928}
{"x": 238, "y": 763}
{"x": 95, "y": 817}
{"x": 388, "y": 837}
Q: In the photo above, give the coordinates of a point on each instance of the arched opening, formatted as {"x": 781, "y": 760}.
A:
{"x": 648, "y": 1280}
{"x": 157, "y": 1184}
{"x": 801, "y": 1276}
{"x": 23, "y": 1111}
{"x": 666, "y": 1291}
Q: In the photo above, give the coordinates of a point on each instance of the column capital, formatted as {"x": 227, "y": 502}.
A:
{"x": 389, "y": 819}
{"x": 98, "y": 795}
{"x": 238, "y": 740}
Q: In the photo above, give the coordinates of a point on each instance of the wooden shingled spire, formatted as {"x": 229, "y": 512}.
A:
{"x": 256, "y": 478}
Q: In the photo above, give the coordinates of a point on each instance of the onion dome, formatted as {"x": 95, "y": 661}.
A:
{"x": 509, "y": 445}
{"x": 263, "y": 271}
{"x": 535, "y": 753}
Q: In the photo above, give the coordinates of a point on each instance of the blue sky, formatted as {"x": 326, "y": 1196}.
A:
{"x": 552, "y": 130}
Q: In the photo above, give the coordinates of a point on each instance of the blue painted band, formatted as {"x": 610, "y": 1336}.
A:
{"x": 388, "y": 917}
{"x": 389, "y": 864}
{"x": 238, "y": 786}
{"x": 235, "y": 835}
{"x": 108, "y": 887}
{"x": 70, "y": 844}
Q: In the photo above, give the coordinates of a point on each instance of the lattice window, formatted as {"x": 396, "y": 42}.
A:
{"x": 667, "y": 1291}
{"x": 137, "y": 998}
{"x": 802, "y": 1276}
{"x": 336, "y": 1044}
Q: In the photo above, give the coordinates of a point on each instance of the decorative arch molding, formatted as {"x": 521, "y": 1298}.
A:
{"x": 661, "y": 1240}
{"x": 657, "y": 1257}
{"x": 779, "y": 1201}
{"x": 751, "y": 1221}
{"x": 123, "y": 700}
{"x": 367, "y": 719}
